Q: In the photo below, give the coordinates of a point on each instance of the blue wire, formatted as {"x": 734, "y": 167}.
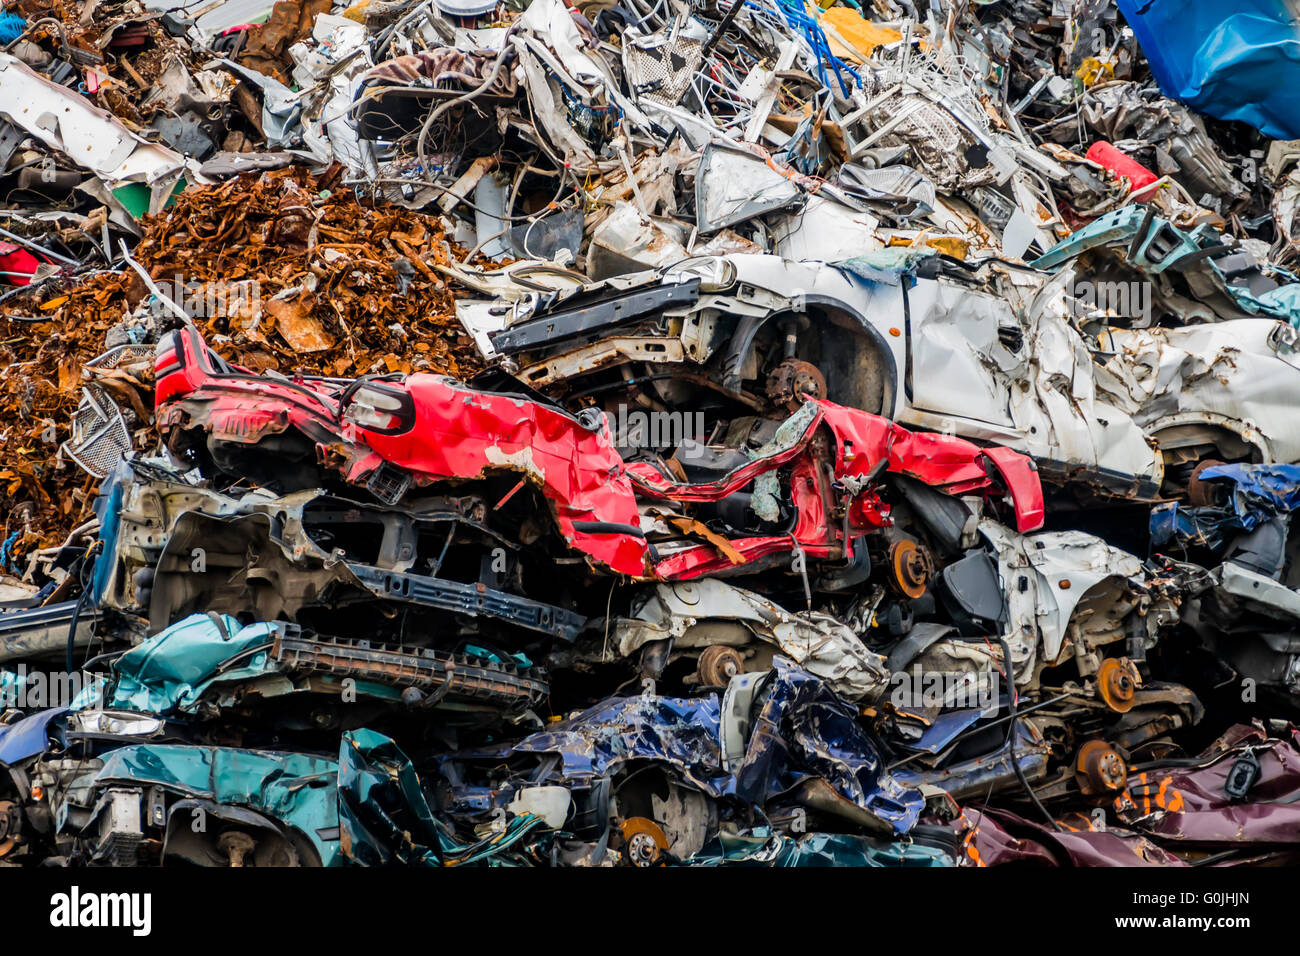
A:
{"x": 796, "y": 17}
{"x": 4, "y": 549}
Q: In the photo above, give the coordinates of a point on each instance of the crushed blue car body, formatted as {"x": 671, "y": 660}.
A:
{"x": 1251, "y": 494}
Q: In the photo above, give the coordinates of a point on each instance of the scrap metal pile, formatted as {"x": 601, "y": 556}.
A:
{"x": 691, "y": 432}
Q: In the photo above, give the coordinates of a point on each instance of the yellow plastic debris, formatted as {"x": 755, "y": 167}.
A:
{"x": 1093, "y": 71}
{"x": 862, "y": 35}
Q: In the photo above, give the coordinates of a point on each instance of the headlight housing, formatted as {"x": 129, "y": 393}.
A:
{"x": 380, "y": 408}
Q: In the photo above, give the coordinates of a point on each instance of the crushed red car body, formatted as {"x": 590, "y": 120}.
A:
{"x": 391, "y": 433}
{"x": 387, "y": 434}
{"x": 834, "y": 486}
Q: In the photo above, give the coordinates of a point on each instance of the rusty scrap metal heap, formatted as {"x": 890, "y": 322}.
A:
{"x": 647, "y": 433}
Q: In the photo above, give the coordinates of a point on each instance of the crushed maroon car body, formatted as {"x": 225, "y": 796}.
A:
{"x": 1202, "y": 802}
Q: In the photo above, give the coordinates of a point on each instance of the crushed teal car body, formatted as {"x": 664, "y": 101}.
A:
{"x": 171, "y": 670}
{"x": 385, "y": 819}
{"x": 297, "y": 790}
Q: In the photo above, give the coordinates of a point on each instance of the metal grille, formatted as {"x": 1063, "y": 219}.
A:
{"x": 121, "y": 355}
{"x": 99, "y": 434}
{"x": 662, "y": 72}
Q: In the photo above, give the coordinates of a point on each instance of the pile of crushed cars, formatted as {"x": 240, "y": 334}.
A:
{"x": 648, "y": 432}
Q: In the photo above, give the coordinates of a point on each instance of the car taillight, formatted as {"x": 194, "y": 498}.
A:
{"x": 169, "y": 356}
{"x": 380, "y": 409}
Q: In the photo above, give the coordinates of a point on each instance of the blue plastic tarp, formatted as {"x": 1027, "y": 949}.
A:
{"x": 1238, "y": 60}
